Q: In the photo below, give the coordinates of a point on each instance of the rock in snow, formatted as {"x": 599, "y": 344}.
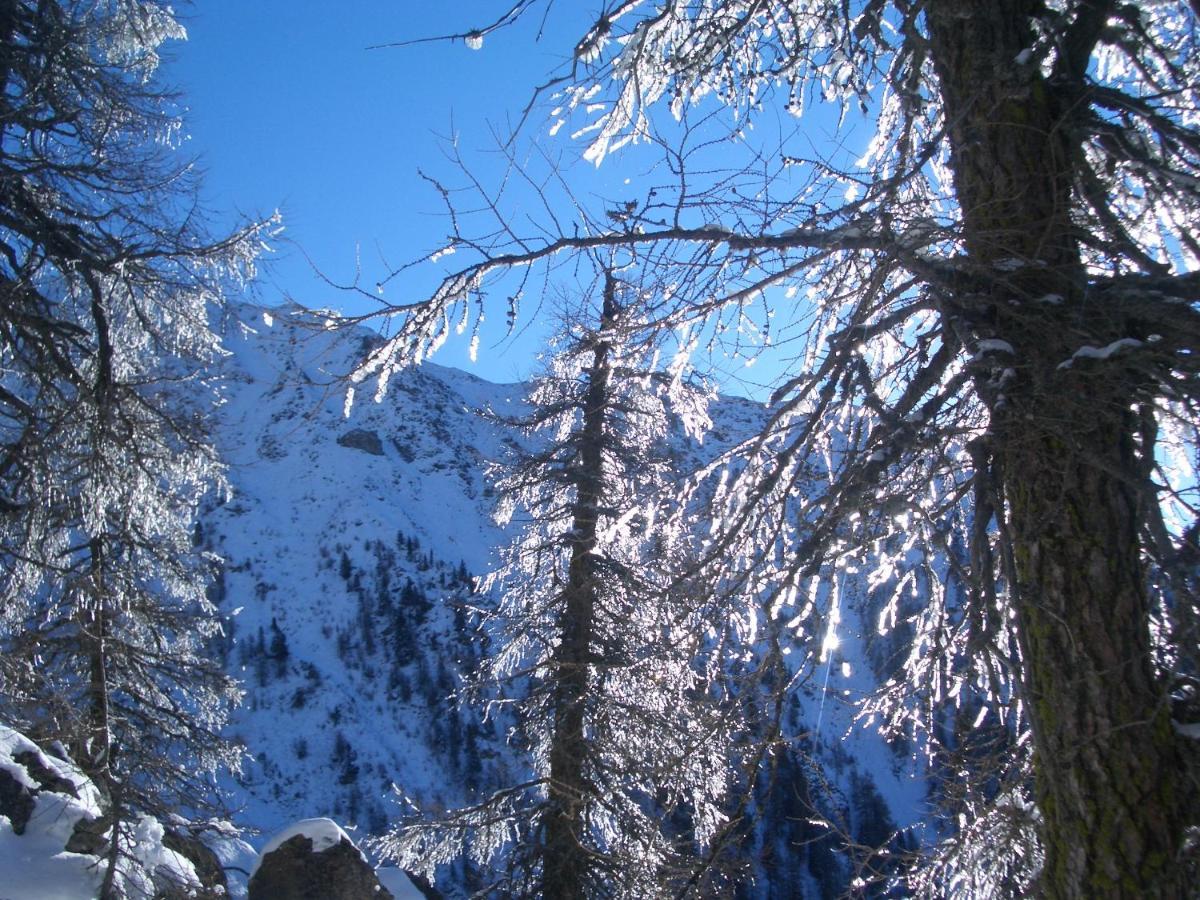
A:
{"x": 54, "y": 836}
{"x": 362, "y": 439}
{"x": 314, "y": 860}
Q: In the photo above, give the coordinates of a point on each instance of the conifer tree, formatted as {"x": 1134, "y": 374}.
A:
{"x": 608, "y": 661}
{"x": 990, "y": 285}
{"x": 108, "y": 280}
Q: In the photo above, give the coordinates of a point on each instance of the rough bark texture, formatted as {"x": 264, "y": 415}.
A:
{"x": 565, "y": 858}
{"x": 1110, "y": 778}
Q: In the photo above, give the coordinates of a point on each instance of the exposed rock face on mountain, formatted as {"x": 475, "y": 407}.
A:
{"x": 362, "y": 439}
{"x": 314, "y": 860}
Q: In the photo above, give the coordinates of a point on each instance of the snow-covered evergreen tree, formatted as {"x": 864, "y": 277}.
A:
{"x": 108, "y": 280}
{"x": 990, "y": 286}
{"x": 607, "y": 655}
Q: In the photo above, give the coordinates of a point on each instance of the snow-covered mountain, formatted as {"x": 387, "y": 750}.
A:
{"x": 351, "y": 535}
{"x": 347, "y": 541}
{"x": 350, "y": 539}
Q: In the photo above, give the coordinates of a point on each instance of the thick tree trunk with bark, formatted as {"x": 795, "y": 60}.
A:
{"x": 1109, "y": 772}
{"x": 565, "y": 857}
{"x": 1110, "y": 779}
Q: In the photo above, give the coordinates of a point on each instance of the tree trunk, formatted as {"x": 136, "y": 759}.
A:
{"x": 94, "y": 640}
{"x": 1109, "y": 776}
{"x": 565, "y": 857}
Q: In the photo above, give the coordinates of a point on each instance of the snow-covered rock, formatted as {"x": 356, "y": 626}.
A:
{"x": 54, "y": 831}
{"x": 314, "y": 860}
{"x": 42, "y": 798}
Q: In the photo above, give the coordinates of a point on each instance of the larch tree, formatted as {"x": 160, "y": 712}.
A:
{"x": 983, "y": 295}
{"x": 611, "y": 666}
{"x": 108, "y": 280}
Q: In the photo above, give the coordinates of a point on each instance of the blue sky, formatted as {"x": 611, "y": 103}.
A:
{"x": 288, "y": 109}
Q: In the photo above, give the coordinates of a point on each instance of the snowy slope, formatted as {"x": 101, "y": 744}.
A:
{"x": 349, "y": 541}
{"x": 350, "y": 538}
{"x": 323, "y": 544}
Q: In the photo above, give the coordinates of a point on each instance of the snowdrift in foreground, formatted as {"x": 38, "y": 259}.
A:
{"x": 53, "y": 833}
{"x": 42, "y": 799}
{"x": 54, "y": 829}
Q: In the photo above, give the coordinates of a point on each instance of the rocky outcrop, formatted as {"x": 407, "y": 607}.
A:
{"x": 29, "y": 772}
{"x": 16, "y": 801}
{"x": 314, "y": 860}
{"x": 90, "y": 835}
{"x": 48, "y": 806}
{"x": 362, "y": 439}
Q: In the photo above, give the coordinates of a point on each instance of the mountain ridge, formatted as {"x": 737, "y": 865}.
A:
{"x": 328, "y": 496}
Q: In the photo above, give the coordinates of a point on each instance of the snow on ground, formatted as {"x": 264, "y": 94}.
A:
{"x": 35, "y": 864}
{"x": 35, "y": 867}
